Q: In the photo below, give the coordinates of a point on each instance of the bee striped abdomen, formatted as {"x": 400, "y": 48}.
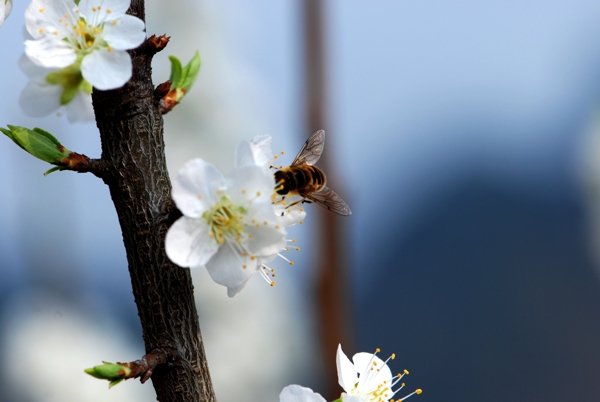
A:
{"x": 301, "y": 179}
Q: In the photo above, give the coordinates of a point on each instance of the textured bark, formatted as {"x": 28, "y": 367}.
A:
{"x": 131, "y": 129}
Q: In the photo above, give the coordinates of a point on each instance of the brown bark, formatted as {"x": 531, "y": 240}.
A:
{"x": 133, "y": 158}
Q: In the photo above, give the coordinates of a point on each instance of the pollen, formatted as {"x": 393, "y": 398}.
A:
{"x": 199, "y": 196}
{"x": 419, "y": 391}
{"x": 81, "y": 24}
{"x": 109, "y": 49}
{"x": 115, "y": 22}
{"x": 406, "y": 372}
{"x": 55, "y": 32}
{"x": 253, "y": 257}
{"x": 282, "y": 152}
{"x": 42, "y": 10}
{"x": 244, "y": 191}
{"x": 41, "y": 30}
{"x": 275, "y": 156}
{"x": 258, "y": 193}
{"x": 108, "y": 11}
{"x": 273, "y": 283}
{"x": 297, "y": 248}
{"x": 291, "y": 262}
{"x": 245, "y": 266}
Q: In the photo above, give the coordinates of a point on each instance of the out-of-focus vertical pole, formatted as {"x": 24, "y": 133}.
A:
{"x": 331, "y": 275}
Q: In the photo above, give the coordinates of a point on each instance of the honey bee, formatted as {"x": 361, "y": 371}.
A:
{"x": 308, "y": 181}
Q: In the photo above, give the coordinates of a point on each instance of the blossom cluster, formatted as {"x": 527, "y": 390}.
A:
{"x": 230, "y": 224}
{"x": 366, "y": 379}
{"x": 74, "y": 46}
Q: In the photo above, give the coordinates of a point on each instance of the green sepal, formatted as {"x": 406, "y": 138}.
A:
{"x": 115, "y": 373}
{"x": 77, "y": 1}
{"x": 38, "y": 143}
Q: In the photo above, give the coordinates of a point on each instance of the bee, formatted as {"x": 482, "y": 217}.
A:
{"x": 308, "y": 181}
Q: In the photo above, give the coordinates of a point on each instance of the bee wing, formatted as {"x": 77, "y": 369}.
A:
{"x": 311, "y": 150}
{"x": 329, "y": 199}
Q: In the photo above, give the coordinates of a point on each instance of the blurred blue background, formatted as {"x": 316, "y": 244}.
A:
{"x": 464, "y": 136}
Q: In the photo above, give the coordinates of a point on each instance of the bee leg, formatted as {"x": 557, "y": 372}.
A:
{"x": 297, "y": 202}
{"x": 305, "y": 201}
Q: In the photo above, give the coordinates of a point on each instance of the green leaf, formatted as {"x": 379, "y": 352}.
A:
{"x": 47, "y": 135}
{"x": 175, "y": 72}
{"x": 190, "y": 72}
{"x": 38, "y": 143}
{"x": 54, "y": 169}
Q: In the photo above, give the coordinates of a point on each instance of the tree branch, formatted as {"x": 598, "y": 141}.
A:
{"x": 131, "y": 130}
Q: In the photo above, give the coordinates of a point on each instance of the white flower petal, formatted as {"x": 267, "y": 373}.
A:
{"x": 50, "y": 51}
{"x": 80, "y": 109}
{"x": 107, "y": 69}
{"x": 363, "y": 363}
{"x": 347, "y": 375}
{"x": 250, "y": 183}
{"x": 43, "y": 17}
{"x": 257, "y": 152}
{"x": 265, "y": 241}
{"x": 32, "y": 70}
{"x": 125, "y": 33}
{"x": 227, "y": 267}
{"x": 232, "y": 291}
{"x": 297, "y": 393}
{"x": 188, "y": 243}
{"x": 5, "y": 9}
{"x": 39, "y": 100}
{"x": 105, "y": 10}
{"x": 195, "y": 187}
{"x": 289, "y": 216}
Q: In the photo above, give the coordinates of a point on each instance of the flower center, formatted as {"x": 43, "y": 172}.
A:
{"x": 226, "y": 221}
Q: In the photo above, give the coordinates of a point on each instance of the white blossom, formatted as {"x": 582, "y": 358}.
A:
{"x": 228, "y": 223}
{"x": 93, "y": 35}
{"x": 41, "y": 98}
{"x": 367, "y": 378}
{"x": 5, "y": 9}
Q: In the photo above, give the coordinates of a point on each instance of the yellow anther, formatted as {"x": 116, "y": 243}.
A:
{"x": 221, "y": 240}
{"x": 302, "y": 222}
{"x": 258, "y": 225}
{"x": 90, "y": 43}
{"x": 253, "y": 257}
{"x": 291, "y": 262}
{"x": 81, "y": 23}
{"x": 258, "y": 193}
{"x": 219, "y": 192}
{"x": 108, "y": 11}
{"x": 393, "y": 356}
{"x": 199, "y": 196}
{"x": 293, "y": 240}
{"x": 275, "y": 156}
{"x": 250, "y": 236}
{"x": 419, "y": 391}
{"x": 405, "y": 371}
{"x": 273, "y": 275}
{"x": 266, "y": 223}
{"x": 282, "y": 152}
{"x": 297, "y": 248}
{"x": 212, "y": 234}
{"x": 94, "y": 9}
{"x": 108, "y": 48}
{"x": 115, "y": 22}
{"x": 245, "y": 266}
{"x": 42, "y": 10}
{"x": 244, "y": 191}
{"x": 377, "y": 350}
{"x": 55, "y": 32}
{"x": 66, "y": 15}
{"x": 276, "y": 226}
{"x": 41, "y": 30}
{"x": 287, "y": 249}
{"x": 272, "y": 283}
